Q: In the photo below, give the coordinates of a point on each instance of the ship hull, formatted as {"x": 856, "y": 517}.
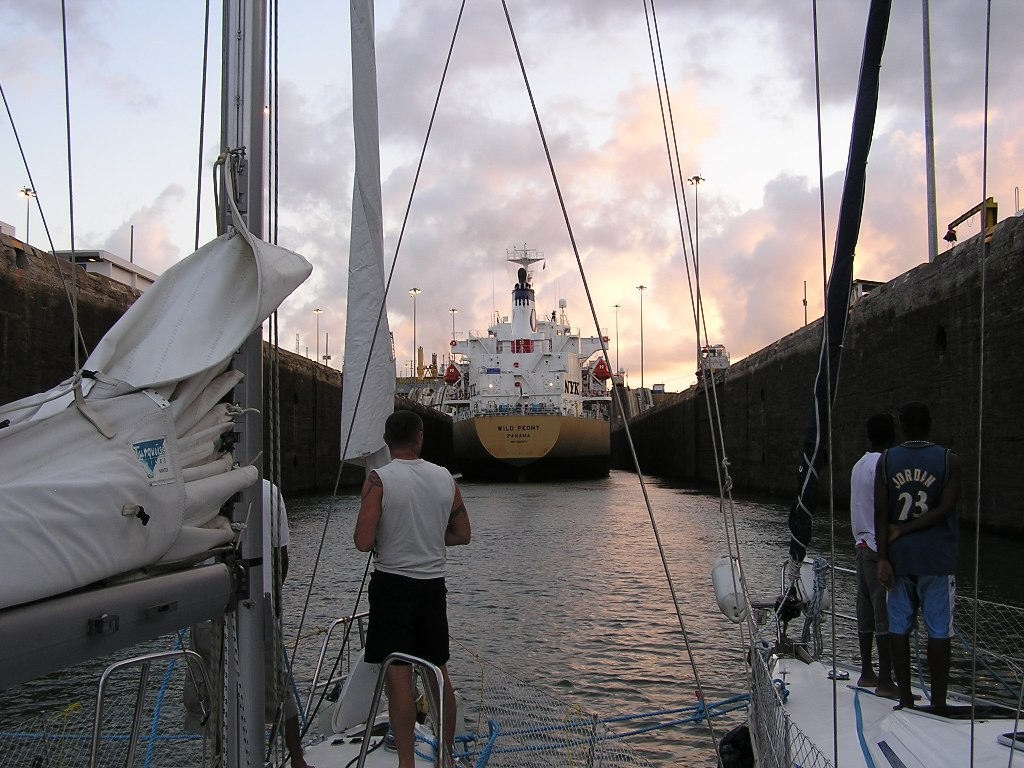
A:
{"x": 534, "y": 447}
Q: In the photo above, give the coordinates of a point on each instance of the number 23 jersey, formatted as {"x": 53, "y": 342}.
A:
{"x": 915, "y": 474}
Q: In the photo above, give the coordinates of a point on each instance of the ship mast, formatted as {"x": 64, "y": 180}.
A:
{"x": 524, "y": 257}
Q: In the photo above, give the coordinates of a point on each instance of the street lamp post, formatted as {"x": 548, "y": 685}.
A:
{"x": 616, "y": 308}
{"x": 317, "y": 312}
{"x": 28, "y": 193}
{"x": 695, "y": 180}
{"x": 641, "y": 288}
{"x": 414, "y": 292}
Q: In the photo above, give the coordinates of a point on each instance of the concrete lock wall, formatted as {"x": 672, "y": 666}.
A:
{"x": 916, "y": 337}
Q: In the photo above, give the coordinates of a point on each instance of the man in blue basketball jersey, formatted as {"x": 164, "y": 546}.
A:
{"x": 916, "y": 488}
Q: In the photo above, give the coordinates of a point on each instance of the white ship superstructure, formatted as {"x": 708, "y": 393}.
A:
{"x": 526, "y": 395}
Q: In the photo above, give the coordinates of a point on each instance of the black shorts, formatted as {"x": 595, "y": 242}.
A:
{"x": 407, "y": 616}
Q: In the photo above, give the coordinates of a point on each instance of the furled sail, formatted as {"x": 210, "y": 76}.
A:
{"x": 131, "y": 469}
{"x": 368, "y": 393}
{"x": 837, "y": 300}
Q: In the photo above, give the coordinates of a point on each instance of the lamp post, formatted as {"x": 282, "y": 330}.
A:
{"x": 28, "y": 193}
{"x": 317, "y": 312}
{"x": 641, "y": 288}
{"x": 695, "y": 180}
{"x": 616, "y": 308}
{"x": 414, "y": 292}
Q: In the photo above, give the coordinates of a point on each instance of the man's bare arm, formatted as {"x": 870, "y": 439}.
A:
{"x": 372, "y": 497}
{"x": 458, "y": 531}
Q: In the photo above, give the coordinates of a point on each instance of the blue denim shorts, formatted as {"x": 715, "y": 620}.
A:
{"x": 934, "y": 595}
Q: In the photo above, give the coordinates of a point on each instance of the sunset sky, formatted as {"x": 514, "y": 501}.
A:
{"x": 741, "y": 83}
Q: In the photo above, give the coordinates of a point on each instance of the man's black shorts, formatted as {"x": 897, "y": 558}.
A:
{"x": 407, "y": 616}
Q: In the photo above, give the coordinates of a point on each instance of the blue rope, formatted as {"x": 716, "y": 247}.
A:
{"x": 154, "y": 723}
{"x": 303, "y": 717}
{"x": 868, "y": 761}
{"x": 699, "y": 712}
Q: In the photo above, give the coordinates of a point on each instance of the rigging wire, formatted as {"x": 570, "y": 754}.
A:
{"x": 275, "y": 746}
{"x": 985, "y": 246}
{"x": 365, "y": 373}
{"x": 604, "y": 351}
{"x": 42, "y": 216}
{"x": 828, "y": 372}
{"x": 696, "y": 303}
{"x": 693, "y": 284}
{"x": 71, "y": 197}
{"x": 202, "y": 124}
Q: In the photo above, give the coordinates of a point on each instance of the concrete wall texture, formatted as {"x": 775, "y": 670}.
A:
{"x": 917, "y": 337}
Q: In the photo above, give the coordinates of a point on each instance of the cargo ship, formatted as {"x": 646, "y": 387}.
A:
{"x": 526, "y": 399}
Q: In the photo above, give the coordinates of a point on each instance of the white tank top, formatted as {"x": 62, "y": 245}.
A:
{"x": 417, "y": 504}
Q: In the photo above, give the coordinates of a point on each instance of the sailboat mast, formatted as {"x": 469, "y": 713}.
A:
{"x": 837, "y": 298}
{"x": 929, "y": 134}
{"x": 242, "y": 138}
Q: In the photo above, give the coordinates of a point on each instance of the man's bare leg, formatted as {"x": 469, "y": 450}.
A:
{"x": 886, "y": 684}
{"x": 402, "y": 712}
{"x": 293, "y": 742}
{"x": 939, "y": 651}
{"x": 868, "y": 678}
{"x": 899, "y": 648}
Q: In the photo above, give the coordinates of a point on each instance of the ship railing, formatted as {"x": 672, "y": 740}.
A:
{"x": 515, "y": 345}
{"x": 506, "y": 409}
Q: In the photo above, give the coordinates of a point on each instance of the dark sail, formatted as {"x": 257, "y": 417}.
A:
{"x": 837, "y": 299}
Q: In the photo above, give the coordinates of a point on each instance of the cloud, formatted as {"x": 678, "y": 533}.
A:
{"x": 742, "y": 88}
{"x": 147, "y": 231}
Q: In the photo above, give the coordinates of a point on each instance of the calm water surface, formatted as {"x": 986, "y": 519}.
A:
{"x": 563, "y": 587}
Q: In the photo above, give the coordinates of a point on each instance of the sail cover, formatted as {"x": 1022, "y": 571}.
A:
{"x": 133, "y": 471}
{"x": 368, "y": 392}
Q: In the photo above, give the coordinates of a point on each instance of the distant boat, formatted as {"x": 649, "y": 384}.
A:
{"x": 526, "y": 400}
{"x": 713, "y": 358}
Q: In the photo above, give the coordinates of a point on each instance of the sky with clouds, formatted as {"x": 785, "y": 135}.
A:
{"x": 741, "y": 82}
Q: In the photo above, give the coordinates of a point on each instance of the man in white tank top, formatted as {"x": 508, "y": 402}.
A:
{"x": 411, "y": 510}
{"x": 872, "y": 612}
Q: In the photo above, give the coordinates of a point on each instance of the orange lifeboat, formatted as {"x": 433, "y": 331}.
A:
{"x": 601, "y": 372}
{"x": 451, "y": 375}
